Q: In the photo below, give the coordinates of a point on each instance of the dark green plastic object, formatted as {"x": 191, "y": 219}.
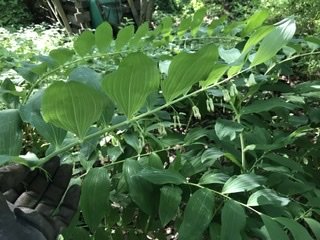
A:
{"x": 105, "y": 10}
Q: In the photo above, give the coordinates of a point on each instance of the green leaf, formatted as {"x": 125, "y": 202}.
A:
{"x": 170, "y": 198}
{"x": 198, "y": 215}
{"x": 213, "y": 177}
{"x": 197, "y": 20}
{"x": 72, "y": 106}
{"x": 274, "y": 41}
{"x": 187, "y": 69}
{"x": 314, "y": 226}
{"x": 30, "y": 160}
{"x": 274, "y": 229}
{"x": 30, "y": 113}
{"x": 161, "y": 176}
{"x": 123, "y": 37}
{"x": 140, "y": 33}
{"x": 61, "y": 55}
{"x": 255, "y": 21}
{"x": 242, "y": 183}
{"x": 86, "y": 76}
{"x": 94, "y": 199}
{"x": 141, "y": 191}
{"x": 227, "y": 129}
{"x": 230, "y": 56}
{"x": 297, "y": 230}
{"x": 130, "y": 85}
{"x": 10, "y": 132}
{"x": 217, "y": 72}
{"x": 83, "y": 45}
{"x": 166, "y": 26}
{"x": 256, "y": 37}
{"x": 133, "y": 140}
{"x": 232, "y": 215}
{"x": 267, "y": 197}
{"x": 266, "y": 105}
{"x": 103, "y": 37}
{"x": 211, "y": 153}
{"x": 184, "y": 26}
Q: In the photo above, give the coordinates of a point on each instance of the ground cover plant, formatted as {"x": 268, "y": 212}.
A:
{"x": 195, "y": 128}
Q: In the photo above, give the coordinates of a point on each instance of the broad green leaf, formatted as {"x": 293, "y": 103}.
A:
{"x": 184, "y": 26}
{"x": 170, "y": 198}
{"x": 139, "y": 35}
{"x": 123, "y": 37}
{"x": 103, "y": 37}
{"x": 130, "y": 85}
{"x": 133, "y": 140}
{"x": 242, "y": 183}
{"x": 72, "y": 106}
{"x": 161, "y": 176}
{"x": 197, "y": 215}
{"x": 313, "y": 42}
{"x": 266, "y": 105}
{"x": 215, "y": 23}
{"x": 213, "y": 177}
{"x": 232, "y": 216}
{"x": 194, "y": 134}
{"x": 86, "y": 76}
{"x": 217, "y": 72}
{"x": 227, "y": 129}
{"x": 314, "y": 226}
{"x": 284, "y": 161}
{"x": 153, "y": 160}
{"x": 211, "y": 153}
{"x": 230, "y": 56}
{"x": 256, "y": 37}
{"x": 61, "y": 55}
{"x": 30, "y": 160}
{"x": 297, "y": 230}
{"x": 10, "y": 132}
{"x": 255, "y": 21}
{"x": 141, "y": 191}
{"x": 274, "y": 41}
{"x": 94, "y": 199}
{"x": 197, "y": 20}
{"x": 84, "y": 43}
{"x": 187, "y": 69}
{"x": 274, "y": 229}
{"x": 166, "y": 26}
{"x": 267, "y": 197}
{"x": 30, "y": 113}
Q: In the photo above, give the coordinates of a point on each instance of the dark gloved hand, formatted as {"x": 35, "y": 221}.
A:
{"x": 31, "y": 205}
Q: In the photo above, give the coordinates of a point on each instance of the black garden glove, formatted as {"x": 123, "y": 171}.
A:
{"x": 31, "y": 205}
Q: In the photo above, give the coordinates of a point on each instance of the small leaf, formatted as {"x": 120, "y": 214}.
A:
{"x": 140, "y": 33}
{"x": 274, "y": 229}
{"x": 230, "y": 56}
{"x": 141, "y": 191}
{"x": 133, "y": 141}
{"x": 123, "y": 37}
{"x": 184, "y": 26}
{"x": 95, "y": 196}
{"x": 297, "y": 230}
{"x": 266, "y": 105}
{"x": 314, "y": 226}
{"x": 166, "y": 26}
{"x": 187, "y": 69}
{"x": 170, "y": 198}
{"x": 267, "y": 197}
{"x": 61, "y": 55}
{"x": 161, "y": 176}
{"x": 10, "y": 132}
{"x": 72, "y": 106}
{"x": 197, "y": 20}
{"x": 103, "y": 37}
{"x": 232, "y": 215}
{"x": 211, "y": 153}
{"x": 227, "y": 129}
{"x": 255, "y": 21}
{"x": 84, "y": 43}
{"x": 274, "y": 41}
{"x": 242, "y": 183}
{"x": 213, "y": 177}
{"x": 197, "y": 215}
{"x": 129, "y": 86}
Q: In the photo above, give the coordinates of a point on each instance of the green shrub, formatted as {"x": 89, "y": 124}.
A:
{"x": 14, "y": 13}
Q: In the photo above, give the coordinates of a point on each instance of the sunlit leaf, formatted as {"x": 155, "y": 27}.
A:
{"x": 140, "y": 33}
{"x": 123, "y": 37}
{"x": 61, "y": 55}
{"x": 232, "y": 214}
{"x": 217, "y": 72}
{"x": 103, "y": 36}
{"x": 170, "y": 198}
{"x": 267, "y": 197}
{"x": 72, "y": 106}
{"x": 187, "y": 69}
{"x": 274, "y": 41}
{"x": 130, "y": 85}
{"x": 94, "y": 199}
{"x": 230, "y": 56}
{"x": 255, "y": 21}
{"x": 197, "y": 20}
{"x": 84, "y": 43}
{"x": 244, "y": 182}
{"x": 197, "y": 215}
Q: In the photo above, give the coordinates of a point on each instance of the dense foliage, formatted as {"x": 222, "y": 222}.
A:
{"x": 196, "y": 128}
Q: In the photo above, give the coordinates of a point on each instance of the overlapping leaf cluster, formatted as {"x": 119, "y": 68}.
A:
{"x": 189, "y": 127}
